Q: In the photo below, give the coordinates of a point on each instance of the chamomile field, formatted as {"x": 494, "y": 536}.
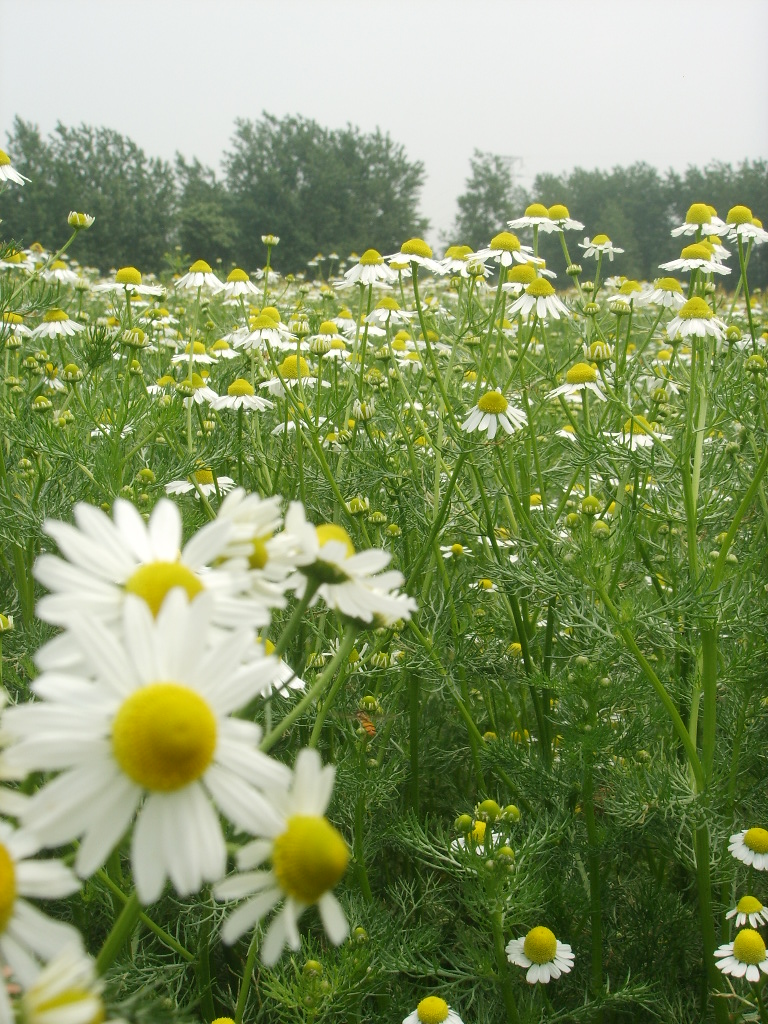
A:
{"x": 385, "y": 641}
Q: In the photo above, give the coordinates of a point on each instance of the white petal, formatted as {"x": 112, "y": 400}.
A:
{"x": 334, "y": 919}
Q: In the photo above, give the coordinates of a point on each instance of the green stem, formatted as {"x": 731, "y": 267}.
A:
{"x": 245, "y": 984}
{"x": 348, "y": 640}
{"x": 121, "y": 932}
{"x": 595, "y": 912}
{"x": 502, "y": 967}
{"x": 167, "y": 939}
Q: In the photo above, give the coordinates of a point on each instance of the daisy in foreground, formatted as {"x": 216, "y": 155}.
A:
{"x": 493, "y": 411}
{"x": 745, "y": 957}
{"x": 543, "y": 955}
{"x": 66, "y": 991}
{"x": 146, "y": 731}
{"x": 751, "y": 847}
{"x": 433, "y": 1010}
{"x": 308, "y": 858}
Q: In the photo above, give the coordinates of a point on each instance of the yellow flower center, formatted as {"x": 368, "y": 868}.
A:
{"x": 669, "y": 284}
{"x": 164, "y": 736}
{"x": 629, "y": 287}
{"x": 506, "y": 241}
{"x": 293, "y": 367}
{"x": 458, "y": 252}
{"x": 581, "y": 373}
{"x": 698, "y": 213}
{"x": 128, "y": 275}
{"x": 697, "y": 251}
{"x": 7, "y": 887}
{"x": 540, "y": 945}
{"x": 638, "y": 425}
{"x": 54, "y": 315}
{"x": 237, "y": 275}
{"x": 416, "y": 247}
{"x": 13, "y": 318}
{"x": 258, "y": 558}
{"x": 432, "y": 1010}
{"x": 220, "y": 346}
{"x": 309, "y": 858}
{"x": 372, "y": 258}
{"x": 540, "y": 288}
{"x": 58, "y": 265}
{"x": 536, "y": 210}
{"x": 749, "y": 905}
{"x": 200, "y": 267}
{"x": 756, "y": 839}
{"x": 327, "y": 327}
{"x": 457, "y": 550}
{"x": 271, "y": 311}
{"x": 338, "y": 343}
{"x": 522, "y": 273}
{"x": 748, "y": 946}
{"x": 240, "y": 387}
{"x": 558, "y": 212}
{"x": 262, "y": 322}
{"x": 492, "y": 401}
{"x": 330, "y": 531}
{"x": 152, "y": 582}
{"x": 696, "y": 309}
{"x": 477, "y": 835}
{"x": 485, "y": 583}
{"x": 4, "y": 159}
{"x": 196, "y": 348}
{"x": 388, "y": 303}
{"x": 600, "y": 239}
{"x": 67, "y": 998}
{"x": 739, "y": 215}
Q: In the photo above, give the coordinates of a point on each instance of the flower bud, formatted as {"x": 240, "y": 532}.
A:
{"x": 80, "y": 221}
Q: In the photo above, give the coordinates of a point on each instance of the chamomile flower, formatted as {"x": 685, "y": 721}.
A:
{"x": 200, "y": 275}
{"x": 700, "y": 218}
{"x": 751, "y": 847}
{"x": 580, "y": 377}
{"x": 309, "y": 856}
{"x": 539, "y": 297}
{"x": 745, "y": 957}
{"x": 505, "y": 249}
{"x": 416, "y": 250}
{"x": 145, "y": 731}
{"x": 66, "y": 991}
{"x": 350, "y": 582}
{"x": 455, "y": 551}
{"x": 60, "y": 272}
{"x": 697, "y": 256}
{"x": 599, "y": 245}
{"x": 292, "y": 369}
{"x": 371, "y": 269}
{"x": 543, "y": 955}
{"x": 7, "y": 171}
{"x": 388, "y": 311}
{"x": 741, "y": 224}
{"x": 56, "y": 323}
{"x": 561, "y": 217}
{"x": 128, "y": 280}
{"x": 696, "y": 318}
{"x": 493, "y": 411}
{"x": 241, "y": 395}
{"x": 666, "y": 292}
{"x": 433, "y": 1010}
{"x": 27, "y": 935}
{"x": 536, "y": 216}
{"x": 204, "y": 483}
{"x": 239, "y": 283}
{"x": 263, "y": 331}
{"x": 106, "y": 559}
{"x": 748, "y": 909}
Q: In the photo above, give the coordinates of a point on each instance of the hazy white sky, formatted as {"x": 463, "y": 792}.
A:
{"x": 558, "y": 83}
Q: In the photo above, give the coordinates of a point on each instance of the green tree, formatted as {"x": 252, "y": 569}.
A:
{"x": 204, "y": 225}
{"x": 319, "y": 190}
{"x": 489, "y": 200}
{"x": 97, "y": 171}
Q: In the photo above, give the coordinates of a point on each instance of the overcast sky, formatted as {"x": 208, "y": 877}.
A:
{"x": 556, "y": 83}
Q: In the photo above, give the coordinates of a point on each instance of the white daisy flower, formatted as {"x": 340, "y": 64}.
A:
{"x": 7, "y": 172}
{"x": 290, "y": 370}
{"x": 309, "y": 856}
{"x": 66, "y": 991}
{"x": 433, "y": 1010}
{"x": 561, "y": 217}
{"x": 27, "y": 936}
{"x": 751, "y": 847}
{"x": 741, "y": 224}
{"x": 128, "y": 280}
{"x": 536, "y": 216}
{"x": 239, "y": 283}
{"x": 55, "y": 324}
{"x": 415, "y": 250}
{"x": 59, "y": 271}
{"x": 351, "y": 583}
{"x": 539, "y": 297}
{"x": 697, "y": 256}
{"x": 745, "y": 957}
{"x": 195, "y": 390}
{"x": 146, "y": 731}
{"x": 700, "y": 217}
{"x": 696, "y": 318}
{"x": 204, "y": 483}
{"x": 241, "y": 395}
{"x": 599, "y": 245}
{"x": 105, "y": 559}
{"x": 455, "y": 259}
{"x": 637, "y": 432}
{"x": 666, "y": 292}
{"x": 200, "y": 275}
{"x": 453, "y": 551}
{"x": 370, "y": 270}
{"x": 748, "y": 909}
{"x": 493, "y": 410}
{"x": 195, "y": 352}
{"x": 505, "y": 249}
{"x": 543, "y": 955}
{"x": 580, "y": 377}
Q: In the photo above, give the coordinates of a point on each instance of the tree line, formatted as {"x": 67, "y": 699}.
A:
{"x": 324, "y": 190}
